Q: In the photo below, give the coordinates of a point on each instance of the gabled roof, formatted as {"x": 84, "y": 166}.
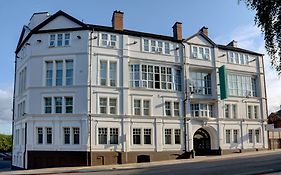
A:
{"x": 44, "y": 23}
{"x": 200, "y": 33}
{"x": 238, "y": 49}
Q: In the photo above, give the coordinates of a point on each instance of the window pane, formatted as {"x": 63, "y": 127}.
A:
{"x": 58, "y": 104}
{"x": 59, "y": 41}
{"x": 103, "y": 72}
{"x": 76, "y": 134}
{"x": 137, "y": 107}
{"x": 40, "y": 135}
{"x": 103, "y": 105}
{"x": 49, "y": 73}
{"x": 168, "y": 108}
{"x": 113, "y": 73}
{"x": 147, "y": 136}
{"x": 48, "y": 105}
{"x": 177, "y": 136}
{"x": 68, "y": 105}
{"x": 59, "y": 73}
{"x": 112, "y": 105}
{"x": 168, "y": 136}
{"x": 136, "y": 136}
{"x": 69, "y": 72}
{"x": 49, "y": 135}
{"x": 113, "y": 135}
{"x": 102, "y": 135}
{"x": 66, "y": 39}
{"x": 66, "y": 135}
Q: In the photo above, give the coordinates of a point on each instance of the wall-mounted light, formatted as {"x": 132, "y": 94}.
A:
{"x": 39, "y": 41}
{"x": 95, "y": 37}
{"x": 17, "y": 56}
{"x": 27, "y": 44}
{"x": 252, "y": 60}
{"x": 78, "y": 36}
{"x": 222, "y": 55}
{"x": 135, "y": 42}
{"x": 177, "y": 48}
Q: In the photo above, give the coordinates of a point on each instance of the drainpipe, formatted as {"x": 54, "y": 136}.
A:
{"x": 13, "y": 116}
{"x": 25, "y": 142}
{"x": 185, "y": 99}
{"x": 265, "y": 94}
{"x": 89, "y": 163}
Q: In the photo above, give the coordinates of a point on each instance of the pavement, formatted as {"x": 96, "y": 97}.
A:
{"x": 142, "y": 166}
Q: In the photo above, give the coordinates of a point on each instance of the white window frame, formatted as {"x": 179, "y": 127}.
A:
{"x": 160, "y": 47}
{"x": 54, "y": 42}
{"x": 54, "y": 72}
{"x": 205, "y": 55}
{"x": 109, "y": 42}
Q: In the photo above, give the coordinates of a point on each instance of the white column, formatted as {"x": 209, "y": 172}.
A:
{"x": 158, "y": 135}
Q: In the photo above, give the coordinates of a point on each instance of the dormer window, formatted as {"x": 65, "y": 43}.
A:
{"x": 201, "y": 53}
{"x": 59, "y": 40}
{"x": 155, "y": 46}
{"x": 108, "y": 40}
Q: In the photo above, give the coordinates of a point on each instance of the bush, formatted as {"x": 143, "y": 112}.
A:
{"x": 5, "y": 143}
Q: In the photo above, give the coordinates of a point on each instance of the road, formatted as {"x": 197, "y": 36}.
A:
{"x": 4, "y": 165}
{"x": 264, "y": 163}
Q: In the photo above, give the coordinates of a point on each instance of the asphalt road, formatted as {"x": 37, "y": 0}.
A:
{"x": 5, "y": 164}
{"x": 260, "y": 164}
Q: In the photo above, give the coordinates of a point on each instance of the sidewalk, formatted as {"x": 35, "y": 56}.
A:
{"x": 139, "y": 165}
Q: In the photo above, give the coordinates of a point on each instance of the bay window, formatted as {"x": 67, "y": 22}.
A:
{"x": 201, "y": 83}
{"x": 155, "y": 77}
{"x": 242, "y": 85}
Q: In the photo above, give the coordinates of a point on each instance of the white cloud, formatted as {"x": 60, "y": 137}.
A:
{"x": 250, "y": 37}
{"x": 6, "y": 105}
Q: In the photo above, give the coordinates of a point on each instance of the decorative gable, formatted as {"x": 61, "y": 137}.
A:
{"x": 60, "y": 22}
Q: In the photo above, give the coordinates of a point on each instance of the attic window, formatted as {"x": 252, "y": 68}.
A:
{"x": 59, "y": 40}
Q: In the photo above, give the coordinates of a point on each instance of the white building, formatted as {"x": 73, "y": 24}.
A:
{"x": 90, "y": 95}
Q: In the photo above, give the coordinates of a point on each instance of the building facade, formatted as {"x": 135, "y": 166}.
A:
{"x": 93, "y": 95}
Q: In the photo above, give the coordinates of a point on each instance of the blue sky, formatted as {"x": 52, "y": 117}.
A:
{"x": 226, "y": 20}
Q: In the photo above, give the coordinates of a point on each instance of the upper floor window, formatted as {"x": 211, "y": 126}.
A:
{"x": 242, "y": 85}
{"x": 172, "y": 108}
{"x": 60, "y": 39}
{"x": 253, "y": 111}
{"x": 22, "y": 81}
{"x": 58, "y": 105}
{"x": 230, "y": 111}
{"x": 108, "y": 40}
{"x": 155, "y": 77}
{"x": 108, "y": 103}
{"x": 155, "y": 46}
{"x": 238, "y": 58}
{"x": 21, "y": 109}
{"x": 201, "y": 110}
{"x": 59, "y": 73}
{"x": 199, "y": 52}
{"x": 141, "y": 107}
{"x": 108, "y": 73}
{"x": 201, "y": 83}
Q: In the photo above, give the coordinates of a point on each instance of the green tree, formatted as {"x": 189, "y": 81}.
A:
{"x": 5, "y": 143}
{"x": 268, "y": 18}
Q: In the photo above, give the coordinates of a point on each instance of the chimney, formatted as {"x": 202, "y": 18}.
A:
{"x": 177, "y": 31}
{"x": 233, "y": 43}
{"x": 204, "y": 30}
{"x": 117, "y": 20}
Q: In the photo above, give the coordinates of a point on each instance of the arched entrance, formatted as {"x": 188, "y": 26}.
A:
{"x": 202, "y": 142}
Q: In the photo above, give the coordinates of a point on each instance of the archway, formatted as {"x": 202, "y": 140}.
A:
{"x": 202, "y": 142}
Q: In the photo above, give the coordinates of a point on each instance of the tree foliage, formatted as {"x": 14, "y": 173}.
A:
{"x": 268, "y": 18}
{"x": 5, "y": 143}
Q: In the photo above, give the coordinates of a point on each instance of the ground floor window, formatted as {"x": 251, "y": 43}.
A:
{"x": 168, "y": 136}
